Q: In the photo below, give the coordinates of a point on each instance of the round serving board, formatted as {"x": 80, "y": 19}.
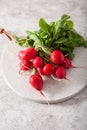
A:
{"x": 54, "y": 90}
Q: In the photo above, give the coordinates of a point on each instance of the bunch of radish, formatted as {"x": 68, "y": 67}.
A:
{"x": 57, "y": 66}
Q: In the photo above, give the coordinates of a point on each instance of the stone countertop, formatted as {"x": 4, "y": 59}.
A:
{"x": 17, "y": 113}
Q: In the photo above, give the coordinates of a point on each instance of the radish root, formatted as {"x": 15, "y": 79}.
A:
{"x": 44, "y": 97}
{"x": 53, "y": 77}
{"x": 85, "y": 67}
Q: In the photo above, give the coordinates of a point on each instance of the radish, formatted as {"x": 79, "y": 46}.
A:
{"x": 29, "y": 54}
{"x": 68, "y": 64}
{"x": 37, "y": 82}
{"x": 25, "y": 65}
{"x": 38, "y": 62}
{"x": 20, "y": 54}
{"x": 57, "y": 57}
{"x": 61, "y": 72}
{"x": 48, "y": 69}
{"x": 40, "y": 70}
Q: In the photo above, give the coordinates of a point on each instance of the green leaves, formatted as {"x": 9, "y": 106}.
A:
{"x": 44, "y": 26}
{"x": 55, "y": 35}
{"x": 62, "y": 26}
{"x": 36, "y": 39}
{"x": 19, "y": 40}
{"x": 69, "y": 24}
{"x": 85, "y": 43}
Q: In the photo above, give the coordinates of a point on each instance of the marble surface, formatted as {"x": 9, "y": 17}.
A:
{"x": 17, "y": 113}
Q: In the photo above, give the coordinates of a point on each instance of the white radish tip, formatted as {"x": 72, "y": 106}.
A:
{"x": 44, "y": 97}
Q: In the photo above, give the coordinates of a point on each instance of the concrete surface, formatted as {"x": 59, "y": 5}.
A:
{"x": 21, "y": 114}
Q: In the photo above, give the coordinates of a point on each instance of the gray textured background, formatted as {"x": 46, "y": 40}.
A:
{"x": 20, "y": 114}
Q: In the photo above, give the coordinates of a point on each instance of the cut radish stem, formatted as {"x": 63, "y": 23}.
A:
{"x": 57, "y": 57}
{"x": 2, "y": 31}
{"x": 29, "y": 54}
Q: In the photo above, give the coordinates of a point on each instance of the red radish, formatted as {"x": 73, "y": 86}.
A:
{"x": 29, "y": 54}
{"x": 48, "y": 69}
{"x": 38, "y": 62}
{"x": 61, "y": 72}
{"x": 37, "y": 82}
{"x": 40, "y": 70}
{"x": 68, "y": 64}
{"x": 57, "y": 57}
{"x": 20, "y": 54}
{"x": 25, "y": 65}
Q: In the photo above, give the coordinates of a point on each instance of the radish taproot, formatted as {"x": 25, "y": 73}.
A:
{"x": 57, "y": 57}
{"x": 29, "y": 54}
